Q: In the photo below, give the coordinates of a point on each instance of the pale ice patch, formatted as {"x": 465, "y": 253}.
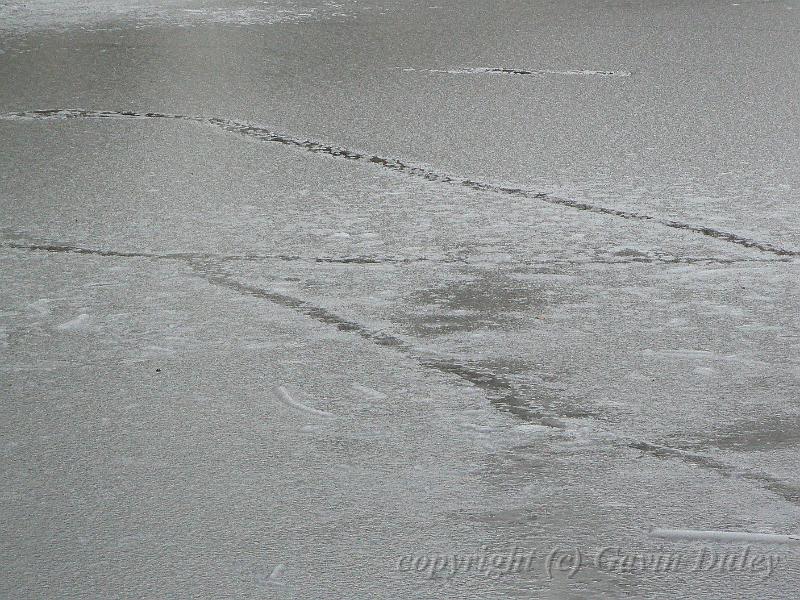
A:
{"x": 155, "y": 351}
{"x": 62, "y": 14}
{"x": 273, "y": 578}
{"x": 40, "y": 307}
{"x": 369, "y": 392}
{"x": 80, "y": 322}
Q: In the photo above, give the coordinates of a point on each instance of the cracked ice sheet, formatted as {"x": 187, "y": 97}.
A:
{"x": 558, "y": 336}
{"x": 226, "y": 195}
{"x": 460, "y": 463}
{"x": 111, "y": 507}
{"x": 110, "y": 463}
{"x": 666, "y": 353}
{"x": 699, "y": 132}
{"x": 517, "y": 252}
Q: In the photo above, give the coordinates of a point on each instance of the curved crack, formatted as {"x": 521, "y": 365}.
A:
{"x": 263, "y": 134}
{"x": 499, "y": 390}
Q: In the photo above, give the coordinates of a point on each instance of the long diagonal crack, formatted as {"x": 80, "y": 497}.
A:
{"x": 260, "y": 133}
{"x": 499, "y": 390}
{"x": 787, "y": 491}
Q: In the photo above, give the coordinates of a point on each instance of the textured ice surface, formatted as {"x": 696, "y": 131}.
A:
{"x": 59, "y": 14}
{"x": 232, "y": 368}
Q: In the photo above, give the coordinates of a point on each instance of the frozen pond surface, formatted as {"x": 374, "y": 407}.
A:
{"x": 399, "y": 300}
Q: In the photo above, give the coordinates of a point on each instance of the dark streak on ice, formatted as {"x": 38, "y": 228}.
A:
{"x": 499, "y": 390}
{"x": 374, "y": 260}
{"x": 219, "y": 278}
{"x": 262, "y": 134}
{"x": 545, "y": 72}
{"x": 507, "y": 71}
{"x": 344, "y": 260}
{"x": 785, "y": 490}
{"x": 63, "y": 249}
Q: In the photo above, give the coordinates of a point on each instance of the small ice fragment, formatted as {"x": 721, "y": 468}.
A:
{"x": 369, "y": 392}
{"x": 79, "y": 322}
{"x": 291, "y": 402}
{"x": 274, "y": 578}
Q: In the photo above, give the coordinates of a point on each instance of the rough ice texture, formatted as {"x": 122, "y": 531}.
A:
{"x": 58, "y": 14}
